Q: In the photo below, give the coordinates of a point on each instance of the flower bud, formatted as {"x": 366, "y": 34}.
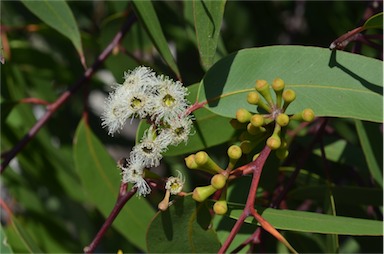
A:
{"x": 253, "y": 98}
{"x": 220, "y": 207}
{"x": 243, "y": 115}
{"x": 262, "y": 87}
{"x": 190, "y": 162}
{"x": 218, "y": 181}
{"x": 282, "y": 119}
{"x": 234, "y": 152}
{"x": 278, "y": 85}
{"x": 255, "y": 156}
{"x": 246, "y": 146}
{"x": 274, "y": 142}
{"x": 308, "y": 115}
{"x": 203, "y": 160}
{"x": 163, "y": 205}
{"x": 257, "y": 120}
{"x": 202, "y": 193}
{"x": 288, "y": 96}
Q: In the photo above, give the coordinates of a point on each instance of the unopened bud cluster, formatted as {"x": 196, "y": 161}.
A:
{"x": 271, "y": 123}
{"x": 159, "y": 100}
{"x": 201, "y": 161}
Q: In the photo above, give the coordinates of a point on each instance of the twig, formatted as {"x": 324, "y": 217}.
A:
{"x": 122, "y": 199}
{"x": 52, "y": 108}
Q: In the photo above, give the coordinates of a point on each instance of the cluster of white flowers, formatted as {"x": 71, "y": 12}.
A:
{"x": 161, "y": 101}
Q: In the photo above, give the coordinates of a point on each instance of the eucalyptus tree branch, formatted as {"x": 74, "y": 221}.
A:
{"x": 52, "y": 108}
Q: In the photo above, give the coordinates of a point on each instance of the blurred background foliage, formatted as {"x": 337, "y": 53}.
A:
{"x": 41, "y": 187}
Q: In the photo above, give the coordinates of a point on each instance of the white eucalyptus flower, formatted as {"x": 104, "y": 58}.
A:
{"x": 175, "y": 184}
{"x": 134, "y": 173}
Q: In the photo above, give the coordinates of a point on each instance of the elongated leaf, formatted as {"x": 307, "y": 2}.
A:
{"x": 372, "y": 148}
{"x": 208, "y": 17}
{"x": 148, "y": 17}
{"x": 17, "y": 237}
{"x": 376, "y": 21}
{"x": 332, "y": 83}
{"x": 58, "y": 15}
{"x": 101, "y": 180}
{"x": 315, "y": 222}
{"x": 343, "y": 195}
{"x": 183, "y": 228}
{"x": 208, "y": 130}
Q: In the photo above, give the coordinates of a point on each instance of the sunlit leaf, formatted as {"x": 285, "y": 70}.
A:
{"x": 337, "y": 84}
{"x": 208, "y": 16}
{"x": 315, "y": 222}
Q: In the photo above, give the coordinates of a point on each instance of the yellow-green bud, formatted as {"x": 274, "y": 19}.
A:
{"x": 220, "y": 207}
{"x": 262, "y": 87}
{"x": 253, "y": 98}
{"x": 278, "y": 85}
{"x": 308, "y": 115}
{"x": 202, "y": 193}
{"x": 203, "y": 160}
{"x": 218, "y": 181}
{"x": 257, "y": 120}
{"x": 190, "y": 162}
{"x": 288, "y": 96}
{"x": 243, "y": 115}
{"x": 234, "y": 152}
{"x": 274, "y": 142}
{"x": 282, "y": 119}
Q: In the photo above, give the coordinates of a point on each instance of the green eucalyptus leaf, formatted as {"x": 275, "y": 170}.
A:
{"x": 208, "y": 16}
{"x": 183, "y": 228}
{"x": 148, "y": 17}
{"x": 101, "y": 181}
{"x": 372, "y": 147}
{"x": 59, "y": 16}
{"x": 18, "y": 238}
{"x": 332, "y": 83}
{"x": 315, "y": 222}
{"x": 376, "y": 21}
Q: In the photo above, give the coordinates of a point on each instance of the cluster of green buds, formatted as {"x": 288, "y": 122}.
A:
{"x": 219, "y": 181}
{"x": 271, "y": 123}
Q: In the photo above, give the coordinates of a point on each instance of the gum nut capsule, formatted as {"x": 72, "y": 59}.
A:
{"x": 218, "y": 181}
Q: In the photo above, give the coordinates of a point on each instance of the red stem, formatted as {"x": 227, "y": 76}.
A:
{"x": 256, "y": 167}
{"x": 122, "y": 199}
{"x": 52, "y": 108}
